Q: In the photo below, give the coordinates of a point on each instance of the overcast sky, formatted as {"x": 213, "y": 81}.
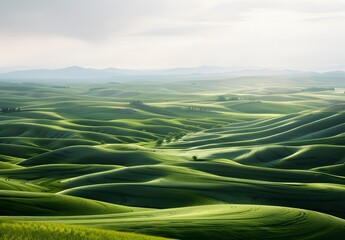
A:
{"x": 300, "y": 34}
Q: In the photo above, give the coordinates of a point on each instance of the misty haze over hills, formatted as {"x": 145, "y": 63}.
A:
{"x": 201, "y": 72}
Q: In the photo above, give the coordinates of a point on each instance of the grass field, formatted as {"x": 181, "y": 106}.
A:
{"x": 29, "y": 230}
{"x": 263, "y": 162}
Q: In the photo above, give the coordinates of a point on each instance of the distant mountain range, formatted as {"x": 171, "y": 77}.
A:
{"x": 80, "y": 73}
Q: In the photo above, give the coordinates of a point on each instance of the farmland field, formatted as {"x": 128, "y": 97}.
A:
{"x": 237, "y": 158}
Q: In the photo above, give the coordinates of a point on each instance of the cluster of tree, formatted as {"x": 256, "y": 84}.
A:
{"x": 136, "y": 102}
{"x": 170, "y": 137}
{"x": 197, "y": 109}
{"x": 60, "y": 86}
{"x": 236, "y": 98}
{"x": 10, "y": 109}
{"x": 96, "y": 88}
{"x": 221, "y": 98}
{"x": 318, "y": 89}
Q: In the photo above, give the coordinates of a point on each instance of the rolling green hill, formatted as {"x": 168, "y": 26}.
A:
{"x": 28, "y": 230}
{"x": 173, "y": 159}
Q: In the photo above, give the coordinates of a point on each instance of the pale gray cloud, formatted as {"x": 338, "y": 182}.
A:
{"x": 167, "y": 33}
{"x": 84, "y": 19}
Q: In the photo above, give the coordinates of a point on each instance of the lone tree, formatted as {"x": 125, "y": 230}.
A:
{"x": 195, "y": 158}
{"x": 159, "y": 141}
{"x": 168, "y": 139}
{"x": 221, "y": 98}
{"x": 179, "y": 135}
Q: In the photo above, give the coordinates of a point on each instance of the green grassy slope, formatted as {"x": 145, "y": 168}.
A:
{"x": 265, "y": 163}
{"x": 219, "y": 222}
{"x": 20, "y": 203}
{"x": 28, "y": 230}
{"x": 97, "y": 155}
